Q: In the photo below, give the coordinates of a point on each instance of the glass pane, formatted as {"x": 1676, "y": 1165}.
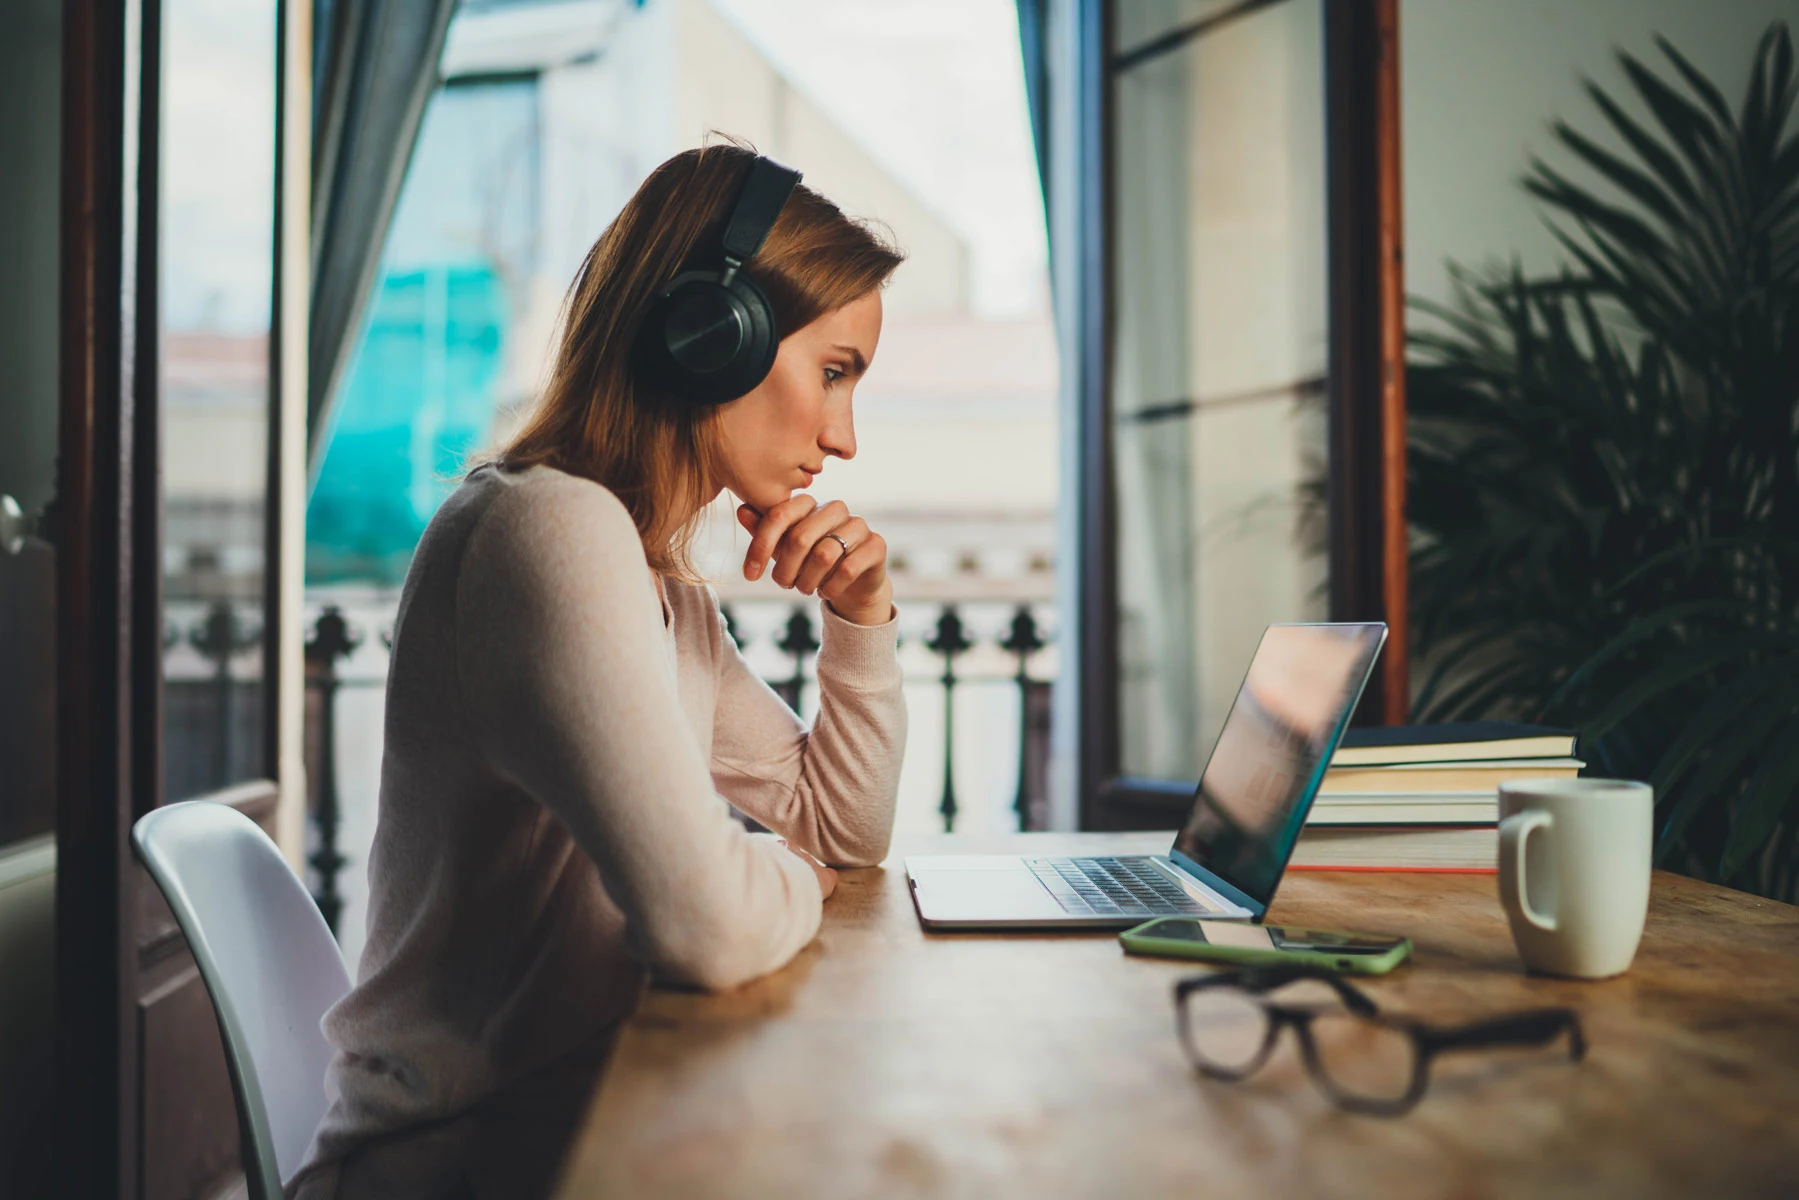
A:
{"x": 218, "y": 172}
{"x": 1218, "y": 361}
{"x": 30, "y": 285}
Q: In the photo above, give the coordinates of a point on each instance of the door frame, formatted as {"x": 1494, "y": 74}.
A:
{"x": 101, "y": 665}
{"x": 105, "y": 525}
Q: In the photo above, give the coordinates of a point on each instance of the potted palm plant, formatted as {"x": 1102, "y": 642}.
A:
{"x": 1604, "y": 467}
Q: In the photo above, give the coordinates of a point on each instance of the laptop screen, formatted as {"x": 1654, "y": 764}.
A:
{"x": 1271, "y": 754}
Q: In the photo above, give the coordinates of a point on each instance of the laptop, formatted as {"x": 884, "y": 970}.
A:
{"x": 1229, "y": 856}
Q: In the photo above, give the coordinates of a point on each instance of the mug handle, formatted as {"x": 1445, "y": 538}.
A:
{"x": 1514, "y": 834}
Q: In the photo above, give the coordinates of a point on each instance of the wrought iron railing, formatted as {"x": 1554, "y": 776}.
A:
{"x": 950, "y": 638}
{"x": 213, "y": 724}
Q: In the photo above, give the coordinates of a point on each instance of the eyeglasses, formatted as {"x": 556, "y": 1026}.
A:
{"x": 1365, "y": 1060}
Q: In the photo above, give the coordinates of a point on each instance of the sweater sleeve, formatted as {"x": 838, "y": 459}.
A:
{"x": 564, "y": 671}
{"x": 830, "y": 789}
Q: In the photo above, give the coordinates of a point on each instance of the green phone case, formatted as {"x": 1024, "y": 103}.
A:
{"x": 1361, "y": 964}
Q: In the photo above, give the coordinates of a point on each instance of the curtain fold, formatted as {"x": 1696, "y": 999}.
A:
{"x": 1033, "y": 16}
{"x": 375, "y": 65}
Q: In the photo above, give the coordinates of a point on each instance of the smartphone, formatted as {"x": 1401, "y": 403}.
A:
{"x": 1245, "y": 944}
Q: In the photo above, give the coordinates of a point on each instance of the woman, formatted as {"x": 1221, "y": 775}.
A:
{"x": 565, "y": 709}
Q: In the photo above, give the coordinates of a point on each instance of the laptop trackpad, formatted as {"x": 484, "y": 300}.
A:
{"x": 992, "y": 894}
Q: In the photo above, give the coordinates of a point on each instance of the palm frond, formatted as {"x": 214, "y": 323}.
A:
{"x": 1603, "y": 466}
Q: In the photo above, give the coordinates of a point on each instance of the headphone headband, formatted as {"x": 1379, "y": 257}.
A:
{"x": 764, "y": 194}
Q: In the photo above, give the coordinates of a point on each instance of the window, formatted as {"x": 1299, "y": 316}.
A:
{"x": 1218, "y": 357}
{"x": 437, "y": 359}
{"x": 216, "y": 308}
{"x": 548, "y": 118}
{"x": 1225, "y": 223}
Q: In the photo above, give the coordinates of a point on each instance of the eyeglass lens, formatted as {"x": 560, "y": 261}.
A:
{"x": 1364, "y": 1059}
{"x": 1229, "y": 1033}
{"x": 1226, "y": 1030}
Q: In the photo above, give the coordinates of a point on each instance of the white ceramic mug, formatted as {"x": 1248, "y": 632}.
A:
{"x": 1574, "y": 857}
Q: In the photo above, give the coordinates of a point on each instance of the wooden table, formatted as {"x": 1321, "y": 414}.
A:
{"x": 888, "y": 1062}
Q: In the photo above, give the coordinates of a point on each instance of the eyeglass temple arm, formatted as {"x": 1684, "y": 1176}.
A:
{"x": 1266, "y": 979}
{"x": 1516, "y": 1029}
{"x": 1353, "y": 997}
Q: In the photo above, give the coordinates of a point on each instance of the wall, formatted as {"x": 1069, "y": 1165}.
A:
{"x": 1482, "y": 83}
{"x": 27, "y": 1014}
{"x": 1481, "y": 87}
{"x": 30, "y": 146}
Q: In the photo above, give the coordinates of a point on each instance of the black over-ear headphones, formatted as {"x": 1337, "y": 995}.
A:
{"x": 711, "y": 335}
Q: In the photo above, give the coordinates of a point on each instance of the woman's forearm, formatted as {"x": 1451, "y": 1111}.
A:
{"x": 831, "y": 788}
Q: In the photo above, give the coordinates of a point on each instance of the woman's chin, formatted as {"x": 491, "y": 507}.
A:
{"x": 764, "y": 498}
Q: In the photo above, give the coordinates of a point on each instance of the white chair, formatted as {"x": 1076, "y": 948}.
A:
{"x": 269, "y": 962}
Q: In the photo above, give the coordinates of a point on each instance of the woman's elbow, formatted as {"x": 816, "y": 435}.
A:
{"x": 714, "y": 974}
{"x": 704, "y": 967}
{"x": 869, "y": 850}
{"x": 715, "y": 960}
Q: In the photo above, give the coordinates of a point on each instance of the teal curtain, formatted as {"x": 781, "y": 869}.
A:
{"x": 374, "y": 68}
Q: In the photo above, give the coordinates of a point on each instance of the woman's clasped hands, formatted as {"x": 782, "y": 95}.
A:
{"x": 821, "y": 550}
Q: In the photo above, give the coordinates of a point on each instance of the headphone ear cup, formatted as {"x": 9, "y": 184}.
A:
{"x": 757, "y": 356}
{"x": 707, "y": 340}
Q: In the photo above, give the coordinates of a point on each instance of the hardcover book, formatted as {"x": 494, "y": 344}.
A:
{"x": 1454, "y": 741}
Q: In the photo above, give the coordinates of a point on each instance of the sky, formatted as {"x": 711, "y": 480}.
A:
{"x": 934, "y": 90}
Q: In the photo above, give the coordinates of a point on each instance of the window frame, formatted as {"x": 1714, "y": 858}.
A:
{"x": 1366, "y": 379}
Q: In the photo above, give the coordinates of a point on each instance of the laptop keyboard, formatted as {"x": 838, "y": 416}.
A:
{"x": 1113, "y": 887}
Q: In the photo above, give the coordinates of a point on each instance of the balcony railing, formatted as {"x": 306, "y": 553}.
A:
{"x": 213, "y": 723}
{"x": 1001, "y": 649}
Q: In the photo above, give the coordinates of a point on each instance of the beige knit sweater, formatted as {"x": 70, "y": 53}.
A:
{"x": 560, "y": 732}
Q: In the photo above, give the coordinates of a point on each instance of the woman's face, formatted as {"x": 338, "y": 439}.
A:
{"x": 776, "y": 438}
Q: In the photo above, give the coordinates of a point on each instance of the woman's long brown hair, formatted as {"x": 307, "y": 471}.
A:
{"x": 596, "y": 418}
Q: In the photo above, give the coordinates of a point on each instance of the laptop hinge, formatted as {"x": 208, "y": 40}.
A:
{"x": 1202, "y": 895}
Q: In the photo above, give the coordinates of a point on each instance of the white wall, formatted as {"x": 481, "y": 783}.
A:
{"x": 1483, "y": 81}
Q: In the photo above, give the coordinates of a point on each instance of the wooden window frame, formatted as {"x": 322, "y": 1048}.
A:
{"x": 1366, "y": 377}
{"x": 113, "y": 937}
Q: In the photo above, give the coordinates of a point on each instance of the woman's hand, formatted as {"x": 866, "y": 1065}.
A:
{"x": 823, "y": 550}
{"x": 827, "y": 876}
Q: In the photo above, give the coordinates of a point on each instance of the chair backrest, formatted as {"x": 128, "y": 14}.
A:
{"x": 269, "y": 962}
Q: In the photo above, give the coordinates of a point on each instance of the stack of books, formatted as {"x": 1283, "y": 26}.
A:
{"x": 1425, "y": 797}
